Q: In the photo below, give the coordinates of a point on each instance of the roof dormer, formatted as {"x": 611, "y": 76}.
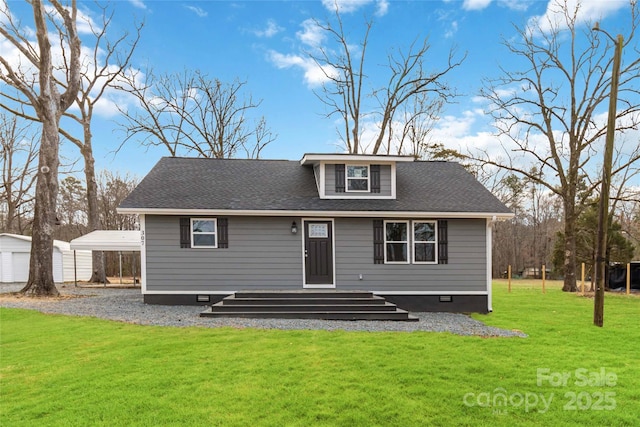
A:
{"x": 355, "y": 176}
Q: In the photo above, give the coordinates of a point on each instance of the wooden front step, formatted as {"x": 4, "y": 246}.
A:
{"x": 226, "y": 308}
{"x": 398, "y": 315}
{"x": 303, "y": 300}
{"x": 304, "y": 293}
{"x": 308, "y": 304}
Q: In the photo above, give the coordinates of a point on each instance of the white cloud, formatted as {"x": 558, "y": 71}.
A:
{"x": 348, "y": 6}
{"x": 106, "y": 107}
{"x": 452, "y": 127}
{"x": 314, "y": 75}
{"x": 519, "y": 5}
{"x": 476, "y": 4}
{"x": 453, "y": 29}
{"x": 198, "y": 11}
{"x": 270, "y": 30}
{"x": 138, "y": 3}
{"x": 587, "y": 11}
{"x": 311, "y": 34}
{"x": 383, "y": 7}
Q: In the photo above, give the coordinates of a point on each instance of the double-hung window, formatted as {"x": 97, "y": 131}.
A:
{"x": 410, "y": 241}
{"x": 396, "y": 242}
{"x": 424, "y": 242}
{"x": 204, "y": 233}
{"x": 357, "y": 178}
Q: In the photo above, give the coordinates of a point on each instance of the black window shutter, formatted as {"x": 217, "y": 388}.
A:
{"x": 185, "y": 232}
{"x": 375, "y": 178}
{"x": 223, "y": 234}
{"x": 339, "y": 178}
{"x": 378, "y": 241}
{"x": 443, "y": 242}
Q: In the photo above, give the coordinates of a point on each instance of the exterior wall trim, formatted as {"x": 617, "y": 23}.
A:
{"x": 374, "y": 292}
{"x": 489, "y": 265}
{"x": 143, "y": 254}
{"x": 352, "y": 197}
{"x": 317, "y": 214}
{"x": 343, "y": 158}
{"x": 429, "y": 292}
{"x": 393, "y": 181}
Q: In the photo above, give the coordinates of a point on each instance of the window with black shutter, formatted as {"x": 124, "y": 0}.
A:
{"x": 185, "y": 232}
{"x": 204, "y": 233}
{"x": 375, "y": 178}
{"x": 223, "y": 234}
{"x": 443, "y": 242}
{"x": 378, "y": 241}
{"x": 389, "y": 237}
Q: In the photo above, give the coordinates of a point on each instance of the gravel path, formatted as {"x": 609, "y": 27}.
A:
{"x": 126, "y": 305}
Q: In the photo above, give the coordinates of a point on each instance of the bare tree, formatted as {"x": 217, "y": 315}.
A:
{"x": 629, "y": 217}
{"x": 99, "y": 69}
{"x": 190, "y": 113}
{"x": 18, "y": 162}
{"x": 107, "y": 62}
{"x": 112, "y": 190}
{"x": 546, "y": 112}
{"x": 343, "y": 93}
{"x": 419, "y": 117}
{"x": 38, "y": 85}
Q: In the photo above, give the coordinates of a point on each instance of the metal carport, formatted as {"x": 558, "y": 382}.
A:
{"x": 110, "y": 241}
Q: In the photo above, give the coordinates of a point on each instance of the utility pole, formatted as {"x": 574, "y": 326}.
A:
{"x": 603, "y": 211}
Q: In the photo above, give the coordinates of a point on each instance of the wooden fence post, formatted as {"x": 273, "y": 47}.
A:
{"x": 544, "y": 276}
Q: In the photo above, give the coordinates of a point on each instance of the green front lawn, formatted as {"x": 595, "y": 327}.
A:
{"x": 58, "y": 370}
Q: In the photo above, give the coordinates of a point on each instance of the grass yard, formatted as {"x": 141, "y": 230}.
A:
{"x": 67, "y": 371}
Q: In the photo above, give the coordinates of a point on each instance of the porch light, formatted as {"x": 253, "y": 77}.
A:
{"x": 294, "y": 228}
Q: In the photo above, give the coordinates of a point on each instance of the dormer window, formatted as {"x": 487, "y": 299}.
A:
{"x": 358, "y": 178}
{"x": 355, "y": 176}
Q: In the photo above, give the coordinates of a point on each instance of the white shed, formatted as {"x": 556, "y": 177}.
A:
{"x": 15, "y": 251}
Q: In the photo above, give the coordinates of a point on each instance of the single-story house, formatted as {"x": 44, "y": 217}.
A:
{"x": 416, "y": 232}
{"x": 15, "y": 253}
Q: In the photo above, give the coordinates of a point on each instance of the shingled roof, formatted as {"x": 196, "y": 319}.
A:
{"x": 284, "y": 185}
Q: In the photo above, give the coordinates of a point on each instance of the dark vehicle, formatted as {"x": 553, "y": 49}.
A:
{"x": 618, "y": 276}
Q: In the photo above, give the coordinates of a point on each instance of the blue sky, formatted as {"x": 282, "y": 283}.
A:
{"x": 263, "y": 42}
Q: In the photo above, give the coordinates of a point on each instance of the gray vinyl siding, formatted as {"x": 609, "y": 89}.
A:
{"x": 330, "y": 183}
{"x": 466, "y": 270}
{"x": 263, "y": 254}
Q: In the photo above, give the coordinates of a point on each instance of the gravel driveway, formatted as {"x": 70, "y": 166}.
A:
{"x": 126, "y": 305}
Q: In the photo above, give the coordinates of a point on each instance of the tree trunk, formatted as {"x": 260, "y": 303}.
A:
{"x": 10, "y": 226}
{"x": 40, "y": 281}
{"x": 569, "y": 246}
{"x": 98, "y": 274}
{"x": 49, "y": 105}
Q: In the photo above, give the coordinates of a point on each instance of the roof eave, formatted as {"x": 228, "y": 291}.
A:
{"x": 307, "y": 213}
{"x": 313, "y": 159}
